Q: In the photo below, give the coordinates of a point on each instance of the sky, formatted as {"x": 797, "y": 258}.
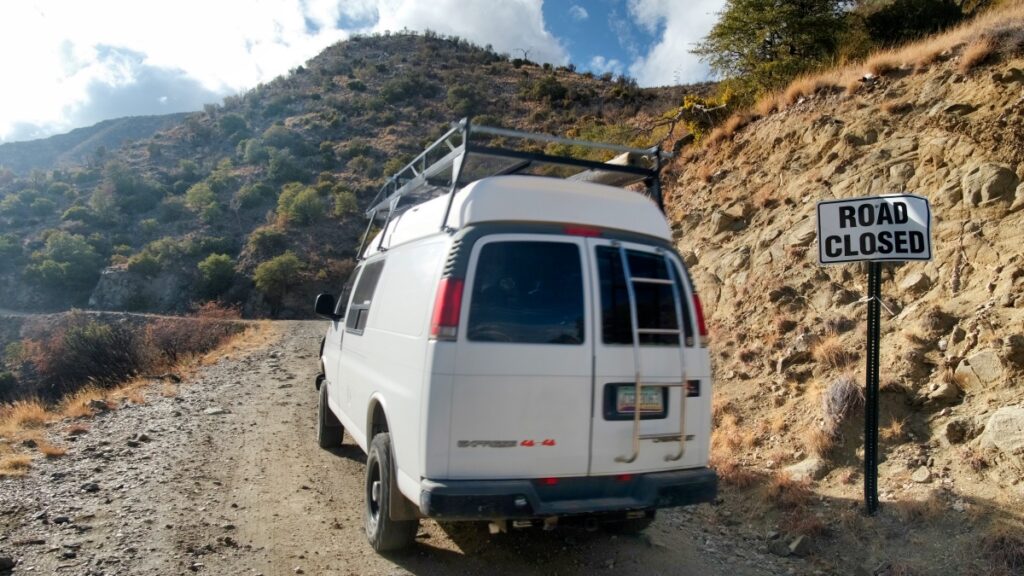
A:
{"x": 72, "y": 63}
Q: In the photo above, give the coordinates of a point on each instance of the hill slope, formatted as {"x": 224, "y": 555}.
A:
{"x": 286, "y": 167}
{"x": 81, "y": 144}
{"x": 788, "y": 334}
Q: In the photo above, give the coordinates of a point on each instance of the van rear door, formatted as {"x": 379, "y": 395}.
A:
{"x": 659, "y": 361}
{"x": 523, "y": 370}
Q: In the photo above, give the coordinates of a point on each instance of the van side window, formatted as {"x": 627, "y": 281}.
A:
{"x": 359, "y": 309}
{"x": 346, "y": 291}
{"x": 655, "y": 307}
{"x": 527, "y": 292}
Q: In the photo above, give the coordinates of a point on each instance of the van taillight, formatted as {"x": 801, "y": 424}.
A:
{"x": 702, "y": 327}
{"x": 444, "y": 324}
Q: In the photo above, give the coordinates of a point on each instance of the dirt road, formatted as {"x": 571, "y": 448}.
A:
{"x": 227, "y": 479}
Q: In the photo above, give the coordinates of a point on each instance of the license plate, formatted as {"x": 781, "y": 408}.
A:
{"x": 652, "y": 400}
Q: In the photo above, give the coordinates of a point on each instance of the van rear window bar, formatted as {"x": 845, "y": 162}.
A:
{"x": 469, "y": 152}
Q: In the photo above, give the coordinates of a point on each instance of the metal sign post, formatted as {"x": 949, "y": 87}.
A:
{"x": 874, "y": 229}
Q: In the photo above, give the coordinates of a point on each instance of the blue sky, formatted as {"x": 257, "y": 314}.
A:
{"x": 70, "y": 63}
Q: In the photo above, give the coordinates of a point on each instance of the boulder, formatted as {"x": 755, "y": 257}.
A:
{"x": 800, "y": 546}
{"x": 978, "y": 369}
{"x": 959, "y": 430}
{"x": 945, "y": 394}
{"x": 916, "y": 283}
{"x": 812, "y": 468}
{"x": 1011, "y": 76}
{"x": 1005, "y": 432}
{"x": 922, "y": 475}
{"x": 986, "y": 366}
{"x": 988, "y": 182}
{"x": 722, "y": 222}
{"x": 803, "y": 237}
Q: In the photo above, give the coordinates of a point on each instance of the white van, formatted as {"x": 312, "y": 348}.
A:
{"x": 487, "y": 351}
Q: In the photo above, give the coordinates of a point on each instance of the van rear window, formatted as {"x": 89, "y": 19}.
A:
{"x": 527, "y": 292}
{"x": 655, "y": 306}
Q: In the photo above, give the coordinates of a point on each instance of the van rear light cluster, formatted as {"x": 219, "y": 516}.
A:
{"x": 702, "y": 327}
{"x": 444, "y": 324}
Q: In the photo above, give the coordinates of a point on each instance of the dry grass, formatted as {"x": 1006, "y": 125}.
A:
{"x": 977, "y": 34}
{"x": 807, "y": 86}
{"x": 819, "y": 442}
{"x": 732, "y": 473}
{"x": 785, "y": 493}
{"x": 22, "y": 415}
{"x": 831, "y": 352}
{"x": 804, "y": 523}
{"x": 976, "y": 53}
{"x": 50, "y": 450}
{"x": 76, "y": 405}
{"x": 895, "y": 430}
{"x": 894, "y": 107}
{"x": 884, "y": 62}
{"x": 842, "y": 396}
{"x": 14, "y": 465}
{"x": 1003, "y": 546}
{"x": 928, "y": 509}
{"x": 169, "y": 389}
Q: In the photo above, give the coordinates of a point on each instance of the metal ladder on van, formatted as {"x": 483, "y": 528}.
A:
{"x": 637, "y": 331}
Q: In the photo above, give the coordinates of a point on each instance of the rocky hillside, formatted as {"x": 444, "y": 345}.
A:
{"x": 82, "y": 144}
{"x": 278, "y": 176}
{"x": 943, "y": 119}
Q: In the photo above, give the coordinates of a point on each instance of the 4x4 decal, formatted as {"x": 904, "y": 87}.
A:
{"x": 529, "y": 443}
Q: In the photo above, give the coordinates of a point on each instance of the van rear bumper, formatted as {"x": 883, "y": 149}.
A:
{"x": 492, "y": 499}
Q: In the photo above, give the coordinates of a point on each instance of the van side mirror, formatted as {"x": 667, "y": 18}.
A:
{"x": 325, "y": 306}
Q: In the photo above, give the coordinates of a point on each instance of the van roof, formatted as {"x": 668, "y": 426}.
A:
{"x": 528, "y": 199}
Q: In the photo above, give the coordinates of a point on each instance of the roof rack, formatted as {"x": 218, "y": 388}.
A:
{"x": 469, "y": 152}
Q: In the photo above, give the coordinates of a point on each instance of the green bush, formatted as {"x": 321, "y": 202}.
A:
{"x": 253, "y": 195}
{"x": 345, "y": 203}
{"x": 78, "y": 214}
{"x": 216, "y": 273}
{"x": 144, "y": 264}
{"x": 356, "y": 85}
{"x": 172, "y": 210}
{"x": 299, "y": 204}
{"x": 67, "y": 263}
{"x": 10, "y": 252}
{"x": 407, "y": 87}
{"x": 231, "y": 124}
{"x": 149, "y": 227}
{"x": 275, "y": 276}
{"x": 200, "y": 196}
{"x": 284, "y": 168}
{"x": 42, "y": 207}
{"x": 267, "y": 241}
{"x": 547, "y": 89}
{"x": 253, "y": 151}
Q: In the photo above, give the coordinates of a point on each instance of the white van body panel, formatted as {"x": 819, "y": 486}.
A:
{"x": 528, "y": 199}
{"x": 547, "y": 400}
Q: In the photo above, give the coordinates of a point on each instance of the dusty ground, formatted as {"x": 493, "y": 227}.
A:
{"x": 249, "y": 492}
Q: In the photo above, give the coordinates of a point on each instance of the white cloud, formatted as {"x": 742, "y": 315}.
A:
{"x": 681, "y": 24}
{"x": 512, "y": 26}
{"x": 578, "y": 13}
{"x": 600, "y": 65}
{"x": 59, "y": 56}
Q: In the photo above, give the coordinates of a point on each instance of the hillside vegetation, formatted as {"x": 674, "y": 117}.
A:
{"x": 259, "y": 201}
{"x": 941, "y": 118}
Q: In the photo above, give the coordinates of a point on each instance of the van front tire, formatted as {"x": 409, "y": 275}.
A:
{"x": 383, "y": 533}
{"x": 329, "y": 431}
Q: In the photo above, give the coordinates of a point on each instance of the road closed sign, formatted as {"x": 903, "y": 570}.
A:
{"x": 874, "y": 228}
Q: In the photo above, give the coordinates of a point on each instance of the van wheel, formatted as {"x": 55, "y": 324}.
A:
{"x": 384, "y": 533}
{"x": 329, "y": 431}
{"x": 630, "y": 525}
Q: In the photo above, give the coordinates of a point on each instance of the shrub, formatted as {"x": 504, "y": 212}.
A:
{"x": 174, "y": 339}
{"x": 356, "y": 85}
{"x": 199, "y": 197}
{"x": 42, "y": 207}
{"x": 144, "y": 264}
{"x": 216, "y": 273}
{"x": 299, "y": 204}
{"x": 842, "y": 396}
{"x": 231, "y": 124}
{"x": 284, "y": 168}
{"x": 78, "y": 214}
{"x": 253, "y": 151}
{"x": 546, "y": 88}
{"x": 267, "y": 241}
{"x": 10, "y": 252}
{"x": 172, "y": 210}
{"x": 345, "y": 203}
{"x": 253, "y": 195}
{"x": 275, "y": 276}
{"x": 67, "y": 263}
{"x": 83, "y": 350}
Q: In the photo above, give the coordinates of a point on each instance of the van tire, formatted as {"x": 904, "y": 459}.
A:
{"x": 383, "y": 533}
{"x": 630, "y": 525}
{"x": 329, "y": 431}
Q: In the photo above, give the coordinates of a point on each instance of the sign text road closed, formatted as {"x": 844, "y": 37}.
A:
{"x": 892, "y": 227}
